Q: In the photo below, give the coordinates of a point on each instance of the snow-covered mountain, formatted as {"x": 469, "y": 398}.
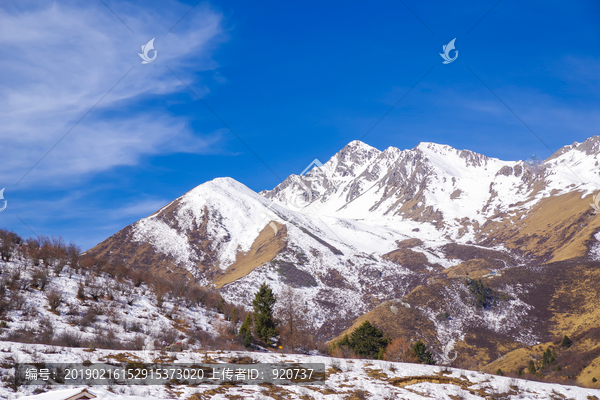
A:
{"x": 435, "y": 183}
{"x": 370, "y": 225}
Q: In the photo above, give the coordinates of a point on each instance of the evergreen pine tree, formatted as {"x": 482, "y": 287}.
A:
{"x": 221, "y": 306}
{"x": 423, "y": 355}
{"x": 546, "y": 357}
{"x": 483, "y": 294}
{"x": 344, "y": 341}
{"x": 566, "y": 342}
{"x": 531, "y": 367}
{"x": 499, "y": 372}
{"x": 367, "y": 340}
{"x": 247, "y": 339}
{"x": 264, "y": 324}
{"x": 246, "y": 331}
{"x": 233, "y": 316}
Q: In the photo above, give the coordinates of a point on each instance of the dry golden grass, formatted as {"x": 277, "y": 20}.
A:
{"x": 557, "y": 228}
{"x": 590, "y": 372}
{"x": 265, "y": 247}
{"x": 566, "y": 296}
{"x": 408, "y": 243}
{"x": 519, "y": 359}
{"x": 403, "y": 323}
{"x": 209, "y": 394}
{"x": 408, "y": 258}
{"x": 475, "y": 268}
{"x": 515, "y": 359}
{"x": 587, "y": 313}
{"x": 376, "y": 374}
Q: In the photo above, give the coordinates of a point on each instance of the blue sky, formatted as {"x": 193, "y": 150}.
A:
{"x": 294, "y": 81}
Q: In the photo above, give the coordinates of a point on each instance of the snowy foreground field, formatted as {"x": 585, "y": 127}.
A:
{"x": 346, "y": 379}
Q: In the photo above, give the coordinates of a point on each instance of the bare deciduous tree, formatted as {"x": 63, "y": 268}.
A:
{"x": 161, "y": 289}
{"x": 291, "y": 310}
{"x": 95, "y": 290}
{"x": 39, "y": 278}
{"x": 399, "y": 350}
{"x": 179, "y": 283}
{"x": 54, "y": 298}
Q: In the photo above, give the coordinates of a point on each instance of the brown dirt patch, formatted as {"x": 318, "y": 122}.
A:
{"x": 442, "y": 380}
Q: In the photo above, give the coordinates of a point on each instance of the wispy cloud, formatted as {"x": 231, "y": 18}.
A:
{"x": 135, "y": 209}
{"x": 59, "y": 59}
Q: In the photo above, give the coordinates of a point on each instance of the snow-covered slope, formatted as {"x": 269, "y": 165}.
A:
{"x": 376, "y": 380}
{"x": 233, "y": 217}
{"x": 80, "y": 307}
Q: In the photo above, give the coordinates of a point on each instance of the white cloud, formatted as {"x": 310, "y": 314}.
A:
{"x": 143, "y": 207}
{"x": 59, "y": 59}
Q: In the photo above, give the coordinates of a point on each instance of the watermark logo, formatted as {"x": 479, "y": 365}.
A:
{"x": 315, "y": 163}
{"x": 595, "y": 205}
{"x": 446, "y": 359}
{"x": 265, "y": 217}
{"x": 303, "y": 197}
{"x": 145, "y": 49}
{"x": 535, "y": 165}
{"x": 2, "y": 198}
{"x": 446, "y": 54}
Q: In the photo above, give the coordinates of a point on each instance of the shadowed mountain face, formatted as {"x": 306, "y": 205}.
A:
{"x": 406, "y": 226}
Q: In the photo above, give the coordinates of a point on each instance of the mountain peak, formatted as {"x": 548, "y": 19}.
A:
{"x": 430, "y": 147}
{"x": 590, "y": 146}
{"x": 374, "y": 225}
{"x": 358, "y": 143}
{"x": 225, "y": 181}
{"x": 352, "y": 158}
{"x": 469, "y": 157}
{"x": 221, "y": 184}
{"x": 356, "y": 146}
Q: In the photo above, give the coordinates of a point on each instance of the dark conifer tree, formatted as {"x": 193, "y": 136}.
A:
{"x": 531, "y": 367}
{"x": 367, "y": 341}
{"x": 423, "y": 355}
{"x": 264, "y": 324}
{"x": 246, "y": 330}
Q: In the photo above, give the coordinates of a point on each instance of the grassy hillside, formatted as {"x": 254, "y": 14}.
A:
{"x": 558, "y": 299}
